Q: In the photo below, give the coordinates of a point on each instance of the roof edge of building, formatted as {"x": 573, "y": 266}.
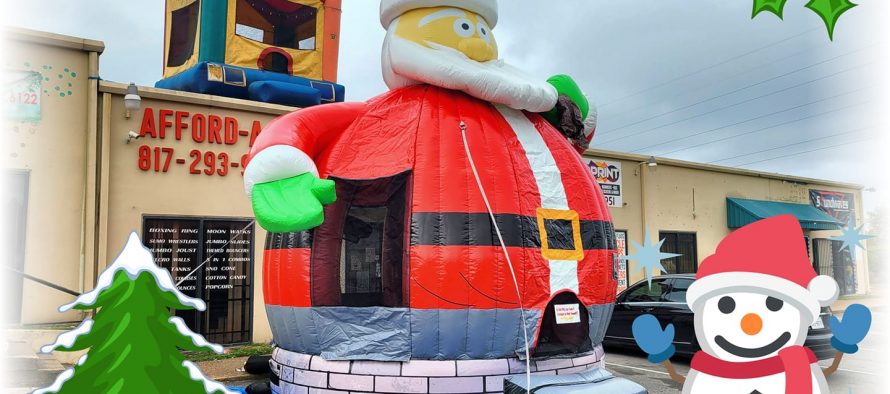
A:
{"x": 22, "y": 34}
{"x": 196, "y": 98}
{"x": 607, "y": 154}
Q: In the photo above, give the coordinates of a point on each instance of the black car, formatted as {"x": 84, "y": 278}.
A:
{"x": 666, "y": 300}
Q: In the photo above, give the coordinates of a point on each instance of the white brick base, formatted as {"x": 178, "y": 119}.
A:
{"x": 305, "y": 374}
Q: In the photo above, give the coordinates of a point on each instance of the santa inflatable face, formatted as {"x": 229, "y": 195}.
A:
{"x": 748, "y": 326}
{"x": 456, "y": 49}
{"x": 449, "y": 29}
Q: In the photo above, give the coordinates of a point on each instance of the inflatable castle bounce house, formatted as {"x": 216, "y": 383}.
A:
{"x": 274, "y": 51}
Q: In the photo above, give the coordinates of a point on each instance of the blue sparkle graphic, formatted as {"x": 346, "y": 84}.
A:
{"x": 649, "y": 256}
{"x": 852, "y": 237}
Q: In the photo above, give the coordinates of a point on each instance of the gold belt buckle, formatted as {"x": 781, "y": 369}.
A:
{"x": 576, "y": 254}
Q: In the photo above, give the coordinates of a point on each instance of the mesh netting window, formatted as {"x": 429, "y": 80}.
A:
{"x": 360, "y": 262}
{"x": 280, "y": 23}
{"x": 183, "y": 32}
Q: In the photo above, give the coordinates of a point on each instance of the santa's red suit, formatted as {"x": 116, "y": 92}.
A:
{"x": 530, "y": 173}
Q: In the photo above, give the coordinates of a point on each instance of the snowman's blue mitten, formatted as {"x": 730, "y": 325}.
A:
{"x": 650, "y": 337}
{"x": 848, "y": 333}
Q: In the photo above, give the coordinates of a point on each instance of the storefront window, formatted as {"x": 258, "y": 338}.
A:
{"x": 14, "y": 212}
{"x": 219, "y": 256}
{"x": 280, "y": 23}
{"x": 183, "y": 32}
{"x": 683, "y": 244}
{"x": 829, "y": 259}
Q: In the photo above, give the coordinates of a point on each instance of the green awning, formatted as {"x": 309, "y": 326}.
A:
{"x": 740, "y": 212}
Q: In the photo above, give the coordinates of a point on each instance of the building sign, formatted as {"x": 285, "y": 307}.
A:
{"x": 838, "y": 205}
{"x": 621, "y": 269}
{"x": 213, "y": 132}
{"x": 211, "y": 260}
{"x": 608, "y": 176}
{"x": 22, "y": 90}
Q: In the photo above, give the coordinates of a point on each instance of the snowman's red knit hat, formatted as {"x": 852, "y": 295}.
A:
{"x": 768, "y": 256}
{"x": 392, "y": 9}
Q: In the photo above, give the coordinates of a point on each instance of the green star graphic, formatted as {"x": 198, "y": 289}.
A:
{"x": 649, "y": 256}
{"x": 775, "y": 6}
{"x": 830, "y": 11}
{"x": 852, "y": 237}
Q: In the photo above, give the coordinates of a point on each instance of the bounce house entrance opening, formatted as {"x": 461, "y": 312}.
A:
{"x": 275, "y": 62}
{"x": 359, "y": 251}
{"x": 565, "y": 327}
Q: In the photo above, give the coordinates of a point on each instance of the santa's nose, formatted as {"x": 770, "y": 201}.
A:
{"x": 752, "y": 324}
{"x": 477, "y": 49}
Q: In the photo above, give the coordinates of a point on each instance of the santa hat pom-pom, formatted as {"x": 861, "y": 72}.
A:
{"x": 824, "y": 288}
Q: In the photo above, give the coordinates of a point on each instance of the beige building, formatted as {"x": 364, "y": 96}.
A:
{"x": 80, "y": 182}
{"x": 693, "y": 206}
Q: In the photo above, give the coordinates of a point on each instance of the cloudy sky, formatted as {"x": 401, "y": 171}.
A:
{"x": 689, "y": 79}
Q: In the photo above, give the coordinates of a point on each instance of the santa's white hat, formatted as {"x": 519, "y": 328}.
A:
{"x": 392, "y": 9}
{"x": 767, "y": 256}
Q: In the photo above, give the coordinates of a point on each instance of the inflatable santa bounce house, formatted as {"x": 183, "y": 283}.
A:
{"x": 434, "y": 237}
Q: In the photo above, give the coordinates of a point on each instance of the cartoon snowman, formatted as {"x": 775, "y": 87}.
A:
{"x": 754, "y": 300}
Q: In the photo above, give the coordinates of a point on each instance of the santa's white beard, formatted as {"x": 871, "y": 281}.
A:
{"x": 406, "y": 63}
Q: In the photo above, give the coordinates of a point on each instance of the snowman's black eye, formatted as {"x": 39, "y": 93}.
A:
{"x": 726, "y": 305}
{"x": 774, "y": 304}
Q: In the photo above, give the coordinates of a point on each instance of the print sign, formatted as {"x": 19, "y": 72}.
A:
{"x": 608, "y": 176}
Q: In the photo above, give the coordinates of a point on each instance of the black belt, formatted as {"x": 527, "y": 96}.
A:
{"x": 475, "y": 229}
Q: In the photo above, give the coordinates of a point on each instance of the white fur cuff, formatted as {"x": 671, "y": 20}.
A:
{"x": 277, "y": 162}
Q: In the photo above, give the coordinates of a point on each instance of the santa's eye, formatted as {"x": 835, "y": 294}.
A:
{"x": 484, "y": 32}
{"x": 774, "y": 304}
{"x": 464, "y": 27}
{"x": 726, "y": 305}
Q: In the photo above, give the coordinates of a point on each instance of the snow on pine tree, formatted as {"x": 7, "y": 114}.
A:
{"x": 134, "y": 341}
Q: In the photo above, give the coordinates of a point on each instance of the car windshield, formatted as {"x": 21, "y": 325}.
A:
{"x": 646, "y": 293}
{"x": 677, "y": 293}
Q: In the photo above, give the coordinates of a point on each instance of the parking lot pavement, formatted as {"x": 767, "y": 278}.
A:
{"x": 634, "y": 366}
{"x": 863, "y": 372}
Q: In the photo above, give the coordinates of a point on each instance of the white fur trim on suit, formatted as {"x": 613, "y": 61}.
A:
{"x": 738, "y": 282}
{"x": 275, "y": 163}
{"x": 590, "y": 121}
{"x": 392, "y": 9}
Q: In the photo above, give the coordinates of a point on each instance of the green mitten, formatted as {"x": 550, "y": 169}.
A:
{"x": 292, "y": 204}
{"x": 566, "y": 86}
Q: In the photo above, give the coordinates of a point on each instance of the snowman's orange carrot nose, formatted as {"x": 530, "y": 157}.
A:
{"x": 752, "y": 324}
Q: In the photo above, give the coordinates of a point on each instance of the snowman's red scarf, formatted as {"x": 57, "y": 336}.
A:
{"x": 794, "y": 361}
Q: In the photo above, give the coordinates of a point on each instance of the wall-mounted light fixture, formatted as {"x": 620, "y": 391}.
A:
{"x": 132, "y": 101}
{"x": 651, "y": 162}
